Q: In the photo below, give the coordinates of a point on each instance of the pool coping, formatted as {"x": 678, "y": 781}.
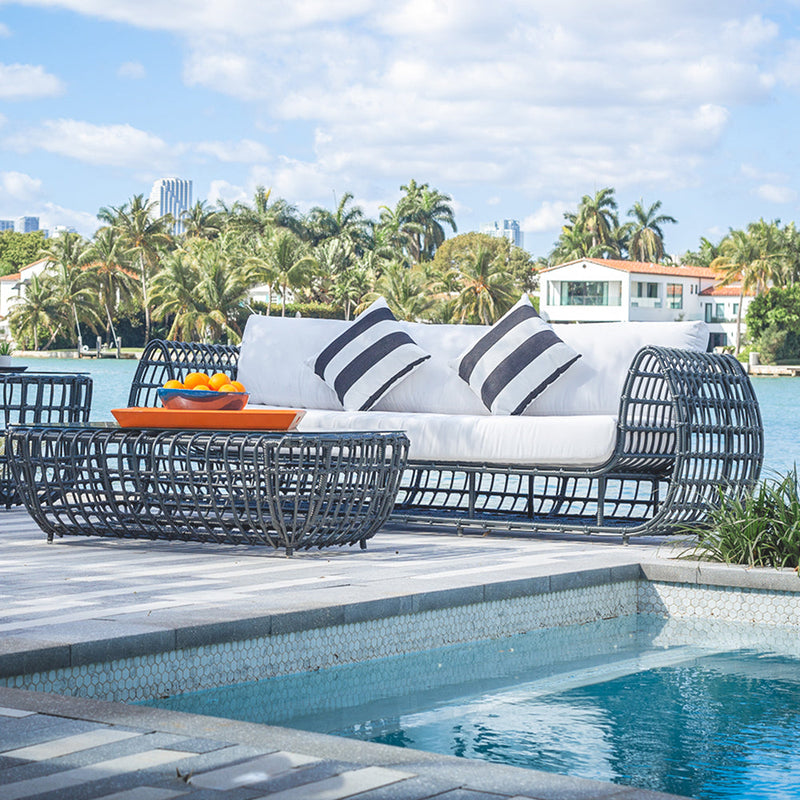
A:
{"x": 20, "y": 656}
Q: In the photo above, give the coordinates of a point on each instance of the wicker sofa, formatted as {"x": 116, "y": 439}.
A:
{"x": 640, "y": 436}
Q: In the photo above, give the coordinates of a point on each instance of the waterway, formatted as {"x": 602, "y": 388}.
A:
{"x": 779, "y": 399}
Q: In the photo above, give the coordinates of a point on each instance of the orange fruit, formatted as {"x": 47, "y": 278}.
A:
{"x": 238, "y": 386}
{"x": 173, "y": 384}
{"x": 202, "y": 388}
{"x": 194, "y": 380}
{"x": 228, "y": 387}
{"x": 217, "y": 380}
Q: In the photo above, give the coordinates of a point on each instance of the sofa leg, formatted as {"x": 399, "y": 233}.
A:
{"x": 362, "y": 544}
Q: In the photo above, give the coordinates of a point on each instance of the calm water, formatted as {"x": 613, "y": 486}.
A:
{"x": 634, "y": 701}
{"x": 779, "y": 399}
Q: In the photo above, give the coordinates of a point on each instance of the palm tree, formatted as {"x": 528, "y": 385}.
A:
{"x": 742, "y": 261}
{"x": 66, "y": 255}
{"x": 202, "y": 290}
{"x": 424, "y": 212}
{"x": 112, "y": 281}
{"x": 647, "y": 239}
{"x": 345, "y": 223}
{"x": 263, "y": 217}
{"x": 37, "y": 310}
{"x": 405, "y": 290}
{"x": 201, "y": 222}
{"x": 488, "y": 288}
{"x": 286, "y": 259}
{"x": 145, "y": 238}
{"x": 597, "y": 216}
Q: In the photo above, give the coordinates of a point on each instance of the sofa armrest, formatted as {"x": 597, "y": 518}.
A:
{"x": 165, "y": 360}
{"x": 692, "y": 414}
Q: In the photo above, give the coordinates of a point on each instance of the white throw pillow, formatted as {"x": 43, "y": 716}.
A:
{"x": 515, "y": 361}
{"x": 372, "y": 355}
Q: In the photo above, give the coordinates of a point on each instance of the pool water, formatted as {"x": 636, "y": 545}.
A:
{"x": 638, "y": 701}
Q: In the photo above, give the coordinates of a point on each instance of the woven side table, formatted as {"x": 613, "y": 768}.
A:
{"x": 34, "y": 398}
{"x": 290, "y": 490}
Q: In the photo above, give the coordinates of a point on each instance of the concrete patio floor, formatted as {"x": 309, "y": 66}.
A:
{"x": 79, "y": 601}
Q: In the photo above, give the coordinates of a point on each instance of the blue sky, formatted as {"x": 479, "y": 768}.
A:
{"x": 514, "y": 108}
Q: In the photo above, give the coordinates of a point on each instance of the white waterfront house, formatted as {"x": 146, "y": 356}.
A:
{"x": 12, "y": 290}
{"x": 610, "y": 290}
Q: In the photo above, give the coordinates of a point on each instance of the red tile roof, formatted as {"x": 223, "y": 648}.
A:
{"x": 14, "y": 276}
{"x": 732, "y": 290}
{"x": 645, "y": 268}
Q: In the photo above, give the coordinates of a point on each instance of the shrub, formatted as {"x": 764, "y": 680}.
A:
{"x": 761, "y": 529}
{"x": 314, "y": 310}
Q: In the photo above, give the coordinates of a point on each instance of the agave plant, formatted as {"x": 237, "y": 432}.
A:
{"x": 761, "y": 529}
{"x": 6, "y": 348}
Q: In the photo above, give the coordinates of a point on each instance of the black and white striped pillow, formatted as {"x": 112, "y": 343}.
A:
{"x": 515, "y": 361}
{"x": 369, "y": 358}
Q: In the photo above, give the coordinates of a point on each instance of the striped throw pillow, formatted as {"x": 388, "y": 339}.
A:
{"x": 515, "y": 361}
{"x": 369, "y": 358}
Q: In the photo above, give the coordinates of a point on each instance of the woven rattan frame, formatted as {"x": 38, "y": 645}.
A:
{"x": 689, "y": 433}
{"x": 292, "y": 491}
{"x": 38, "y": 397}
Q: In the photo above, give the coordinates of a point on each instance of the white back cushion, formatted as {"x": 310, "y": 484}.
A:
{"x": 274, "y": 350}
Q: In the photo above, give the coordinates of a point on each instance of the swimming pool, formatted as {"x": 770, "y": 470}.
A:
{"x": 641, "y": 701}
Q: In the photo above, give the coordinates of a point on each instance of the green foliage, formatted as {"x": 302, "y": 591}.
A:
{"x": 760, "y": 530}
{"x": 777, "y": 306}
{"x": 313, "y": 310}
{"x": 19, "y": 249}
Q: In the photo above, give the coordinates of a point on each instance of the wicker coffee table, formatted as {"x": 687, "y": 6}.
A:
{"x": 34, "y": 398}
{"x": 291, "y": 490}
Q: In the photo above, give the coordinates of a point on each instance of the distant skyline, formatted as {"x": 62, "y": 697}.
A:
{"x": 516, "y": 109}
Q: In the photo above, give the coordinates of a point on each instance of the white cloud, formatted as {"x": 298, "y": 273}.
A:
{"x": 106, "y": 145}
{"x": 132, "y": 69}
{"x": 19, "y": 187}
{"x": 493, "y": 201}
{"x": 5, "y": 31}
{"x": 83, "y": 222}
{"x": 227, "y": 192}
{"x": 549, "y": 217}
{"x": 245, "y": 151}
{"x": 776, "y": 194}
{"x": 26, "y": 81}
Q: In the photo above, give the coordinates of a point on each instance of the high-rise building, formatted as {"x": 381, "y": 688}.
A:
{"x": 26, "y": 224}
{"x": 172, "y": 196}
{"x": 6, "y": 225}
{"x": 508, "y": 229}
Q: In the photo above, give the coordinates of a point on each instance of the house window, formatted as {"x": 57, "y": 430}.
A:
{"x": 735, "y": 309}
{"x": 591, "y": 293}
{"x": 709, "y": 312}
{"x": 674, "y": 295}
{"x": 645, "y": 295}
{"x": 720, "y": 311}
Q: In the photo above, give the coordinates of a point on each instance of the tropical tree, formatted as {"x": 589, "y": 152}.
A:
{"x": 423, "y": 212}
{"x": 348, "y": 224}
{"x": 488, "y": 288}
{"x": 36, "y": 312}
{"x": 70, "y": 281}
{"x": 405, "y": 289}
{"x": 201, "y": 222}
{"x": 597, "y": 216}
{"x": 740, "y": 262}
{"x": 284, "y": 261}
{"x": 646, "y": 242}
{"x": 263, "y": 217}
{"x": 108, "y": 274}
{"x": 145, "y": 239}
{"x": 202, "y": 288}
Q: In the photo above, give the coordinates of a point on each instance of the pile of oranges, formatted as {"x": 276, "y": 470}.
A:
{"x": 218, "y": 382}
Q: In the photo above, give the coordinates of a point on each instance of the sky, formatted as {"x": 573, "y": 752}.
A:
{"x": 514, "y": 108}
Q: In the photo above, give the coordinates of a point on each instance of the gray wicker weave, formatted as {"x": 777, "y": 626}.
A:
{"x": 289, "y": 490}
{"x": 38, "y": 397}
{"x": 689, "y": 432}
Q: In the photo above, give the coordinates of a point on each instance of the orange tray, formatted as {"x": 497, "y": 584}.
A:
{"x": 247, "y": 419}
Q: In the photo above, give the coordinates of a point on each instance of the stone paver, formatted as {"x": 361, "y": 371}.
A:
{"x": 80, "y": 600}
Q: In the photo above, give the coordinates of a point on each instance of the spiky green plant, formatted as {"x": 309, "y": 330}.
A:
{"x": 761, "y": 529}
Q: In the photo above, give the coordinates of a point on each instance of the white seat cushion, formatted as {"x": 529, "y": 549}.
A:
{"x": 584, "y": 441}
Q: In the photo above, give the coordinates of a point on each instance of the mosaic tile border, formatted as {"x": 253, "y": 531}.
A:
{"x": 166, "y": 673}
{"x": 210, "y": 665}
